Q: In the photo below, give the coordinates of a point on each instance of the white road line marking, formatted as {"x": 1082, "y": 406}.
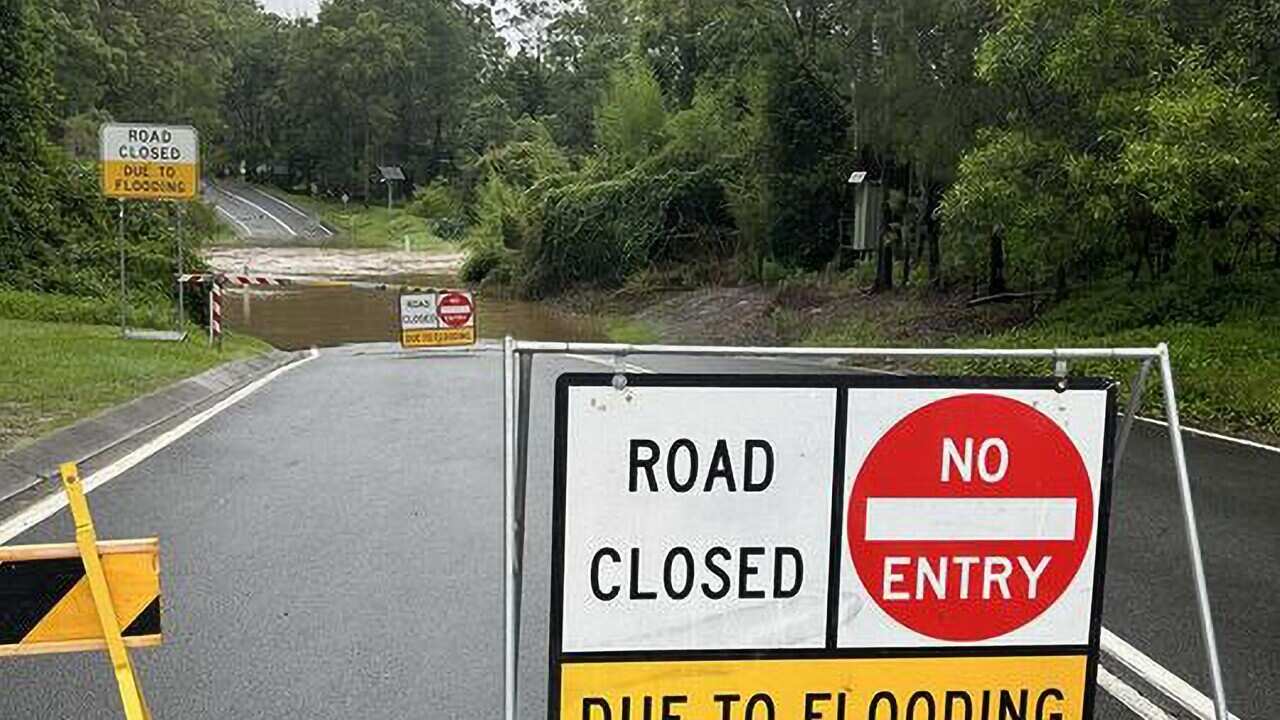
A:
{"x": 45, "y": 508}
{"x": 1159, "y": 677}
{"x": 294, "y": 208}
{"x": 1214, "y": 435}
{"x": 282, "y": 201}
{"x": 263, "y": 210}
{"x": 1194, "y": 431}
{"x": 1129, "y": 697}
{"x": 234, "y": 219}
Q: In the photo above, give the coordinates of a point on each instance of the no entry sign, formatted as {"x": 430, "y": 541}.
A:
{"x": 455, "y": 309}
{"x": 433, "y": 319}
{"x": 970, "y": 517}
{"x": 818, "y": 547}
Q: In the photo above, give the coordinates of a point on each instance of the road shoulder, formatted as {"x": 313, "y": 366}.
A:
{"x": 101, "y": 438}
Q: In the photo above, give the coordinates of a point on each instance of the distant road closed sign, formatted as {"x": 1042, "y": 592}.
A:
{"x": 738, "y": 547}
{"x": 436, "y": 319}
{"x": 149, "y": 162}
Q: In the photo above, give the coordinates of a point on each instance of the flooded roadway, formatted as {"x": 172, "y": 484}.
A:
{"x": 302, "y": 317}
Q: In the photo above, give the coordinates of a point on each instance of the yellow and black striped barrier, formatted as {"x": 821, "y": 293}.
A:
{"x": 83, "y": 596}
{"x": 46, "y": 604}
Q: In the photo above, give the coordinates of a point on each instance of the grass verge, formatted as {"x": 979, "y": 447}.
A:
{"x": 629, "y": 331}
{"x": 375, "y": 226}
{"x": 52, "y": 374}
{"x": 144, "y": 312}
{"x": 1222, "y": 338}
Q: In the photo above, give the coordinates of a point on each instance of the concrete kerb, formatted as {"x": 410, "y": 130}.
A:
{"x": 25, "y": 469}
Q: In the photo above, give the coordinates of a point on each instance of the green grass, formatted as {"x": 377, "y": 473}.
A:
{"x": 1223, "y": 336}
{"x": 376, "y": 226}
{"x": 52, "y": 374}
{"x": 629, "y": 331}
{"x": 149, "y": 312}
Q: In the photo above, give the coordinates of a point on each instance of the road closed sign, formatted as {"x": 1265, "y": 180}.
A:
{"x": 761, "y": 547}
{"x": 437, "y": 319}
{"x": 149, "y": 162}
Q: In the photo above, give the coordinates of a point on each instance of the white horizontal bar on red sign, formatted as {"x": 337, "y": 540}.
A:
{"x": 966, "y": 519}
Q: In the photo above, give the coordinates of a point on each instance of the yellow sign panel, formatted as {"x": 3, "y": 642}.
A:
{"x": 438, "y": 337}
{"x": 149, "y": 162}
{"x": 53, "y": 604}
{"x": 149, "y": 181}
{"x": 920, "y": 688}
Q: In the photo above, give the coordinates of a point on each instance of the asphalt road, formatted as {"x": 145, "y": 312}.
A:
{"x": 259, "y": 215}
{"x": 332, "y": 549}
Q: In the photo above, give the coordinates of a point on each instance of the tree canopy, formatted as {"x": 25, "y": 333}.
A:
{"x": 1020, "y": 143}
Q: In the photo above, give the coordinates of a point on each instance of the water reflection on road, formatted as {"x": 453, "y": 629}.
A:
{"x": 299, "y": 317}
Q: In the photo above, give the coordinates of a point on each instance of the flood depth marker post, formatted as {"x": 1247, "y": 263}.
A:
{"x": 517, "y": 365}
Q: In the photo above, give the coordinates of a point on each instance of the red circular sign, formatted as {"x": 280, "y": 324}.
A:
{"x": 454, "y": 309}
{"x": 970, "y": 517}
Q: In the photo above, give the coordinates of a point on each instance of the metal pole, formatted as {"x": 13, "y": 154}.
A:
{"x": 1131, "y": 410}
{"x": 124, "y": 302}
{"x": 1193, "y": 537}
{"x": 587, "y": 348}
{"x": 508, "y": 554}
{"x": 245, "y": 310}
{"x": 182, "y": 315}
{"x": 525, "y": 380}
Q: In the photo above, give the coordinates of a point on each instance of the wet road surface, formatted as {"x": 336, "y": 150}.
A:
{"x": 332, "y": 549}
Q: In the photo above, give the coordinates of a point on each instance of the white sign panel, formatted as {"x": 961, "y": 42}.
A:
{"x": 826, "y": 546}
{"x": 702, "y": 516}
{"x": 696, "y": 517}
{"x": 971, "y": 518}
{"x": 418, "y": 311}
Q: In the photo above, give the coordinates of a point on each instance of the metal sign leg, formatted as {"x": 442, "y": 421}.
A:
{"x": 508, "y": 529}
{"x": 524, "y": 378}
{"x": 1131, "y": 410}
{"x": 182, "y": 315}
{"x": 1193, "y": 538}
{"x": 124, "y": 301}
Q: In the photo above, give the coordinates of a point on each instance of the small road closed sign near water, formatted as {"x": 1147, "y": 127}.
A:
{"x": 149, "y": 162}
{"x": 825, "y": 548}
{"x": 437, "y": 319}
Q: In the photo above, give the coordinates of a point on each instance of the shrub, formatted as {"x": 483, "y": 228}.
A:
{"x": 600, "y": 232}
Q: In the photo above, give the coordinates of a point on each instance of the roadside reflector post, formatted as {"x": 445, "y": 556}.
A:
{"x": 135, "y": 707}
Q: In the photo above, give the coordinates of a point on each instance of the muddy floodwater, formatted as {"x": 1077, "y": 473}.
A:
{"x": 300, "y": 316}
{"x": 346, "y": 295}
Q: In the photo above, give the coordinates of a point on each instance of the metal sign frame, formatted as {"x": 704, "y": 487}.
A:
{"x": 517, "y": 378}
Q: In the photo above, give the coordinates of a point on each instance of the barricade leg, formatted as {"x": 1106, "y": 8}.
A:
{"x": 1193, "y": 536}
{"x": 135, "y": 707}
